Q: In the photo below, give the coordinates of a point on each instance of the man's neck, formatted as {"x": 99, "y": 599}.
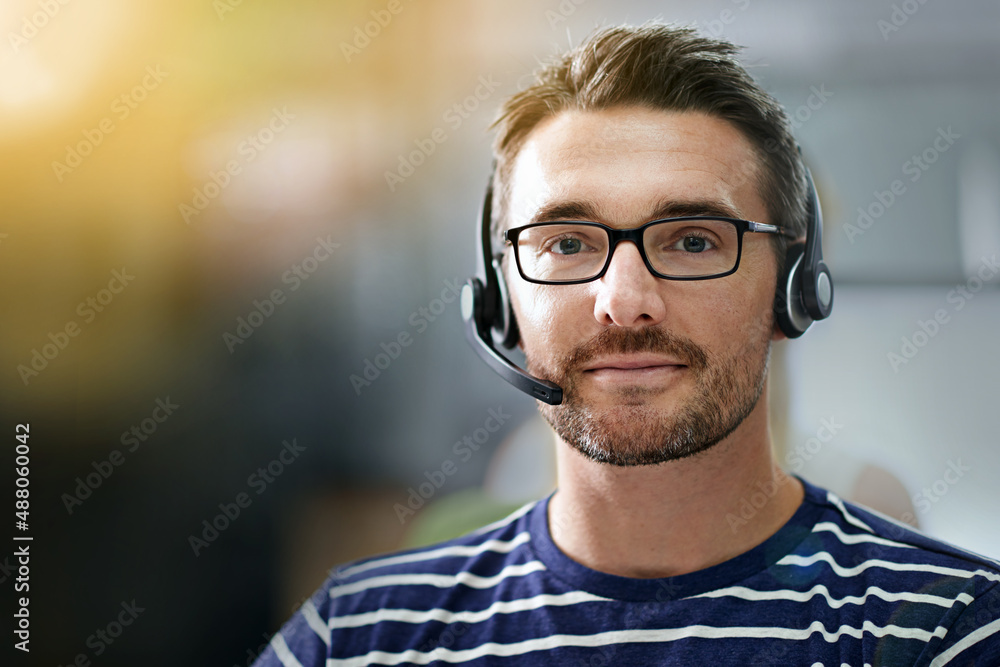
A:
{"x": 677, "y": 517}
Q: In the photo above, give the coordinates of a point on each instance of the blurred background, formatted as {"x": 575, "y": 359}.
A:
{"x": 231, "y": 234}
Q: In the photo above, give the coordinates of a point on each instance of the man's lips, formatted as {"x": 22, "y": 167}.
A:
{"x": 650, "y": 370}
{"x": 633, "y": 362}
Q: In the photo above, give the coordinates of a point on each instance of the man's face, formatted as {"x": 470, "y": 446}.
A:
{"x": 652, "y": 370}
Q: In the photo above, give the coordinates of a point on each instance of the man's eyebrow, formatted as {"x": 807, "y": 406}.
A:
{"x": 667, "y": 208}
{"x": 566, "y": 210}
{"x": 673, "y": 208}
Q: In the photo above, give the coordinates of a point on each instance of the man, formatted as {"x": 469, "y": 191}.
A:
{"x": 659, "y": 341}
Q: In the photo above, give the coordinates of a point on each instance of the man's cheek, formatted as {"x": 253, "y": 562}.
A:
{"x": 538, "y": 315}
{"x": 539, "y": 355}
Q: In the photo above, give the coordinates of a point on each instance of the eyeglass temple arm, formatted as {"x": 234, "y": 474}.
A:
{"x": 765, "y": 228}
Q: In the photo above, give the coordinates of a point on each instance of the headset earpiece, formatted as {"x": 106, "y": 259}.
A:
{"x": 804, "y": 291}
{"x": 789, "y": 311}
{"x": 489, "y": 316}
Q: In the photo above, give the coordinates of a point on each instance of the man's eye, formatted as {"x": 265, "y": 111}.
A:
{"x": 567, "y": 246}
{"x": 693, "y": 244}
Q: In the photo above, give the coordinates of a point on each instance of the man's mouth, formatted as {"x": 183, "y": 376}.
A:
{"x": 619, "y": 359}
{"x": 631, "y": 368}
{"x": 630, "y": 362}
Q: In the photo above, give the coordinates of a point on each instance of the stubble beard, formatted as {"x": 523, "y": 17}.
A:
{"x": 633, "y": 431}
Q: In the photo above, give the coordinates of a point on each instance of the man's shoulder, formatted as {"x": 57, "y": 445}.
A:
{"x": 490, "y": 551}
{"x": 864, "y": 538}
{"x": 412, "y": 587}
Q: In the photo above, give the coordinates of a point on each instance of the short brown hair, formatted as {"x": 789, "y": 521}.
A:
{"x": 660, "y": 67}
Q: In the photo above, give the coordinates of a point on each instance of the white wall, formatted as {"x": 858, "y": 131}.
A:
{"x": 938, "y": 408}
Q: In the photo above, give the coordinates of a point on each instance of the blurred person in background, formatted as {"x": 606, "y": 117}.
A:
{"x": 650, "y": 230}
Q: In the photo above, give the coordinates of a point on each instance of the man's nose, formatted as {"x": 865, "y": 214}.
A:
{"x": 628, "y": 294}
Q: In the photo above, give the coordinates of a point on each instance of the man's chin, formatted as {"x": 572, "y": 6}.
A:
{"x": 638, "y": 417}
{"x": 635, "y": 454}
{"x": 599, "y": 394}
{"x": 626, "y": 399}
{"x": 627, "y": 435}
{"x": 632, "y": 414}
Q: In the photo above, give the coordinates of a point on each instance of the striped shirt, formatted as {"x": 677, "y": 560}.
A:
{"x": 836, "y": 585}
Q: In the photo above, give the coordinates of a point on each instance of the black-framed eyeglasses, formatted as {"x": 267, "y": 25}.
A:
{"x": 687, "y": 248}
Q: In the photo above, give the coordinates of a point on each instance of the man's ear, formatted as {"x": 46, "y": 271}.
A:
{"x": 776, "y": 332}
{"x": 783, "y": 262}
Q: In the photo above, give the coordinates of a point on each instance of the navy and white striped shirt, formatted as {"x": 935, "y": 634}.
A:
{"x": 836, "y": 585}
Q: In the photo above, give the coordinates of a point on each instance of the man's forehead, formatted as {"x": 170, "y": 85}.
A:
{"x": 630, "y": 162}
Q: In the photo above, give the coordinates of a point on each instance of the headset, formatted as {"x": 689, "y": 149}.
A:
{"x": 804, "y": 293}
